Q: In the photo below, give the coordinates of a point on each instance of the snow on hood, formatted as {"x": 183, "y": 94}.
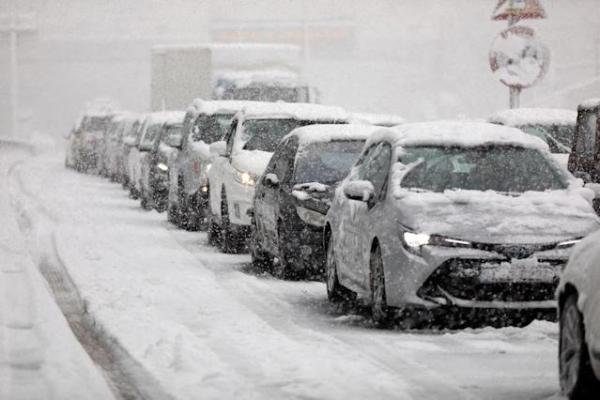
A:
{"x": 457, "y": 133}
{"x": 386, "y": 120}
{"x": 251, "y": 161}
{"x": 490, "y": 217}
{"x": 330, "y": 132}
{"x": 529, "y": 116}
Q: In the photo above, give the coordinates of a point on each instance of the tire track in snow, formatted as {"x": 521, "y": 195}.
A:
{"x": 126, "y": 377}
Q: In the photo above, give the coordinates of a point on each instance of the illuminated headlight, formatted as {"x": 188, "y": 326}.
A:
{"x": 208, "y": 166}
{"x": 162, "y": 167}
{"x": 567, "y": 244}
{"x": 414, "y": 242}
{"x": 311, "y": 217}
{"x": 245, "y": 178}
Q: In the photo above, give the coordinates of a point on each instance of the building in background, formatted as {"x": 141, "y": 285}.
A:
{"x": 422, "y": 59}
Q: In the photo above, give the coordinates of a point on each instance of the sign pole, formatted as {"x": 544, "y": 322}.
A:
{"x": 514, "y": 93}
{"x": 14, "y": 80}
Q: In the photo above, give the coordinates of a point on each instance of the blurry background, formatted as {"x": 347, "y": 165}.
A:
{"x": 422, "y": 59}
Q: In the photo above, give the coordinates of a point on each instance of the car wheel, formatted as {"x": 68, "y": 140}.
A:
{"x": 213, "y": 231}
{"x": 379, "y": 308}
{"x": 144, "y": 201}
{"x": 577, "y": 378}
{"x": 261, "y": 260}
{"x": 172, "y": 214}
{"x": 336, "y": 293}
{"x": 228, "y": 241}
{"x": 283, "y": 268}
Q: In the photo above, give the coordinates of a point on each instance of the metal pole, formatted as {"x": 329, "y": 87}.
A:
{"x": 514, "y": 94}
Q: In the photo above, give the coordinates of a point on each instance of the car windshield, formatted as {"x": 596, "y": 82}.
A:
{"x": 95, "y": 123}
{"x": 173, "y": 131}
{"x": 150, "y": 136}
{"x": 211, "y": 128}
{"x": 501, "y": 168}
{"x": 265, "y": 134}
{"x": 558, "y": 137}
{"x": 326, "y": 162}
{"x": 586, "y": 138}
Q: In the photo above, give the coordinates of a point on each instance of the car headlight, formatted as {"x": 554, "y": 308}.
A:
{"x": 568, "y": 243}
{"x": 245, "y": 178}
{"x": 208, "y": 166}
{"x": 162, "y": 167}
{"x": 311, "y": 217}
{"x": 414, "y": 242}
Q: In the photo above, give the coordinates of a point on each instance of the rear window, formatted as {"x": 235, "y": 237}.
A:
{"x": 211, "y": 128}
{"x": 558, "y": 137}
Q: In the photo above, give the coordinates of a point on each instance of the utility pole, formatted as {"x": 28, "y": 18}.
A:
{"x": 14, "y": 24}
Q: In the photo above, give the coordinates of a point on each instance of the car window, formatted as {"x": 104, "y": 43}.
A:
{"x": 558, "y": 137}
{"x": 326, "y": 162}
{"x": 285, "y": 160}
{"x": 231, "y": 136}
{"x": 150, "y": 136}
{"x": 500, "y": 168}
{"x": 375, "y": 166}
{"x": 586, "y": 138}
{"x": 211, "y": 128}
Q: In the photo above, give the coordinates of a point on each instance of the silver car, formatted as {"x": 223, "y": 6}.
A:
{"x": 454, "y": 216}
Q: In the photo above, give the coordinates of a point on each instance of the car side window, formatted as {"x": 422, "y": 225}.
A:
{"x": 231, "y": 136}
{"x": 376, "y": 166}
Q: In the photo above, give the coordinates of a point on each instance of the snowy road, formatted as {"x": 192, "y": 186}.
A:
{"x": 195, "y": 323}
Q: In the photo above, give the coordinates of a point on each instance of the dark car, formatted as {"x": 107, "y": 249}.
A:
{"x": 293, "y": 196}
{"x": 584, "y": 160}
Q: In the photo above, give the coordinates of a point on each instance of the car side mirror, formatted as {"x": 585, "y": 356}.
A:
{"x": 359, "y": 191}
{"x": 175, "y": 141}
{"x": 218, "y": 149}
{"x": 271, "y": 180}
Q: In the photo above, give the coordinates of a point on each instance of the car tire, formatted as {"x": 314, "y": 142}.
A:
{"x": 336, "y": 293}
{"x": 229, "y": 242}
{"x": 261, "y": 260}
{"x": 213, "y": 232}
{"x": 380, "y": 311}
{"x": 172, "y": 214}
{"x": 283, "y": 268}
{"x": 577, "y": 379}
{"x": 144, "y": 202}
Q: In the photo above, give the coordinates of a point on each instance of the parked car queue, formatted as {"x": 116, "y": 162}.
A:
{"x": 425, "y": 223}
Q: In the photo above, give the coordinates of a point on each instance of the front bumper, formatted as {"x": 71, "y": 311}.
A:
{"x": 473, "y": 279}
{"x": 239, "y": 199}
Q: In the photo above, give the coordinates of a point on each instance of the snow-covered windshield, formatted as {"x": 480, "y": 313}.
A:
{"x": 558, "y": 137}
{"x": 265, "y": 133}
{"x": 326, "y": 162}
{"x": 95, "y": 123}
{"x": 586, "y": 140}
{"x": 500, "y": 168}
{"x": 211, "y": 128}
{"x": 173, "y": 131}
{"x": 150, "y": 136}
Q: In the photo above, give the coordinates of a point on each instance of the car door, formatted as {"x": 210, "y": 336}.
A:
{"x": 359, "y": 224}
{"x": 262, "y": 209}
{"x": 220, "y": 169}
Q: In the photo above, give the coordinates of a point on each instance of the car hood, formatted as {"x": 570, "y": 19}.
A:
{"x": 489, "y": 217}
{"x": 251, "y": 161}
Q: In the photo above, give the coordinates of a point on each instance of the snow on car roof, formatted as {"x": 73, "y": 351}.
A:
{"x": 161, "y": 117}
{"x": 329, "y": 132}
{"x": 210, "y": 107}
{"x": 457, "y": 133}
{"x": 387, "y": 120}
{"x": 528, "y": 116}
{"x": 590, "y": 103}
{"x": 300, "y": 111}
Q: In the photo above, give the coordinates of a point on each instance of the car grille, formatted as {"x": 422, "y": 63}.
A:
{"x": 463, "y": 279}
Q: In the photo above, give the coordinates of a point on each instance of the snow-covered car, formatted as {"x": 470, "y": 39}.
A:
{"x": 556, "y": 127}
{"x": 162, "y": 128}
{"x": 85, "y": 140}
{"x": 455, "y": 216}
{"x": 584, "y": 160}
{"x": 205, "y": 122}
{"x": 385, "y": 120}
{"x": 131, "y": 139}
{"x": 241, "y": 158}
{"x": 293, "y": 195}
{"x": 134, "y": 156}
{"x": 579, "y": 322}
{"x": 120, "y": 126}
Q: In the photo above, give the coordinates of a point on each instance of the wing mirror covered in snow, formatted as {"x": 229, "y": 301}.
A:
{"x": 218, "y": 149}
{"x": 271, "y": 180}
{"x": 594, "y": 187}
{"x": 359, "y": 190}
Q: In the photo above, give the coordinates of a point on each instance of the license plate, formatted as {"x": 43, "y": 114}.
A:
{"x": 529, "y": 270}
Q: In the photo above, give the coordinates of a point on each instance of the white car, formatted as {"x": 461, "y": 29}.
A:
{"x": 556, "y": 127}
{"x": 243, "y": 156}
{"x": 205, "y": 122}
{"x": 579, "y": 321}
{"x": 471, "y": 221}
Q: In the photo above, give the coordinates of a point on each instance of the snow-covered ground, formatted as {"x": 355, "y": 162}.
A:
{"x": 193, "y": 323}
